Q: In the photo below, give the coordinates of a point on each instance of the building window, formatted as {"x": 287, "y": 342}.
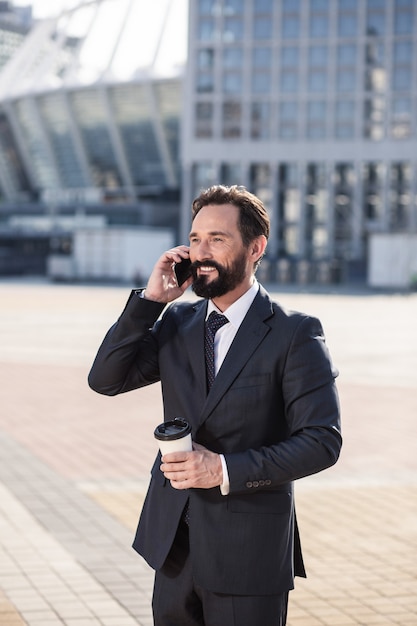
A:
{"x": 346, "y": 55}
{"x": 260, "y": 120}
{"x": 263, "y": 6}
{"x": 206, "y": 29}
{"x": 232, "y": 29}
{"x": 204, "y": 175}
{"x": 374, "y": 118}
{"x": 232, "y": 122}
{"x": 290, "y": 27}
{"x": 403, "y": 17}
{"x": 261, "y": 82}
{"x": 262, "y": 28}
{"x": 344, "y": 189}
{"x": 345, "y": 119}
{"x": 260, "y": 182}
{"x": 261, "y": 57}
{"x": 231, "y": 174}
{"x": 317, "y": 6}
{"x": 233, "y": 7}
{"x": 317, "y": 81}
{"x": 289, "y": 208}
{"x": 373, "y": 183}
{"x": 375, "y": 19}
{"x": 400, "y": 195}
{"x": 233, "y": 57}
{"x": 206, "y": 7}
{"x": 346, "y": 80}
{"x": 401, "y": 116}
{"x": 288, "y": 119}
{"x": 319, "y": 26}
{"x": 316, "y": 119}
{"x": 289, "y": 81}
{"x": 232, "y": 82}
{"x": 204, "y": 119}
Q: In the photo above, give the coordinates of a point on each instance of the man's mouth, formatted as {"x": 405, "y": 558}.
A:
{"x": 206, "y": 269}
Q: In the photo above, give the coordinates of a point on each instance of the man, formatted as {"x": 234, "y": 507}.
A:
{"x": 218, "y": 524}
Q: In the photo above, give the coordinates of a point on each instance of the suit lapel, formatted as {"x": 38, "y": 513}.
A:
{"x": 192, "y": 330}
{"x": 250, "y": 334}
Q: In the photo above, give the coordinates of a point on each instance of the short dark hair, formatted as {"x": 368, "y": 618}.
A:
{"x": 253, "y": 217}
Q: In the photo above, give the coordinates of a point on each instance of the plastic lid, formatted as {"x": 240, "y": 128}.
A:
{"x": 174, "y": 429}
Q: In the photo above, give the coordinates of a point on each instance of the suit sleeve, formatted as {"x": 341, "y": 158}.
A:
{"x": 313, "y": 419}
{"x": 128, "y": 357}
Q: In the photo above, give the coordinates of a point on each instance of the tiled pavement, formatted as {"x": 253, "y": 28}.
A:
{"x": 74, "y": 467}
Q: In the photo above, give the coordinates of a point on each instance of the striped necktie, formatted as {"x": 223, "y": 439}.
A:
{"x": 213, "y": 323}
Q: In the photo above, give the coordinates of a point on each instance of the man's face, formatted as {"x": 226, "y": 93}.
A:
{"x": 220, "y": 261}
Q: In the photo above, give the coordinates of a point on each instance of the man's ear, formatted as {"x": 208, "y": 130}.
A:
{"x": 257, "y": 247}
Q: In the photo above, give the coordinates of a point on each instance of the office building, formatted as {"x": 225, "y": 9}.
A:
{"x": 311, "y": 104}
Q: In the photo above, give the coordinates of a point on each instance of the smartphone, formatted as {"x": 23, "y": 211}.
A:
{"x": 182, "y": 271}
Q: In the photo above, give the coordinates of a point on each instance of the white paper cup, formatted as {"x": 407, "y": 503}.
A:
{"x": 174, "y": 436}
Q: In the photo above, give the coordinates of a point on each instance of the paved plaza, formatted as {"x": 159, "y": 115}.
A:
{"x": 74, "y": 466}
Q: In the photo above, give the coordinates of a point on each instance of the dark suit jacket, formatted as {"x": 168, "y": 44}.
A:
{"x": 273, "y": 412}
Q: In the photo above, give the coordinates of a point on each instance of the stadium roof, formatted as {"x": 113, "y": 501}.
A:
{"x": 107, "y": 41}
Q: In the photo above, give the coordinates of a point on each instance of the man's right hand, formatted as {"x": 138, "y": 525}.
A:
{"x": 162, "y": 284}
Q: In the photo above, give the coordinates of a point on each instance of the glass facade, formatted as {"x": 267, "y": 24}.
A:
{"x": 292, "y": 78}
{"x": 91, "y": 118}
{"x": 56, "y": 122}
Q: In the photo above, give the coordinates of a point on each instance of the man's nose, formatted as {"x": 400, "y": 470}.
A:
{"x": 203, "y": 251}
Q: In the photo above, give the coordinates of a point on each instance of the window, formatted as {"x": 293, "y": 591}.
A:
{"x": 289, "y": 56}
{"x": 260, "y": 120}
{"x": 288, "y": 119}
{"x": 232, "y": 113}
{"x": 261, "y": 57}
{"x": 233, "y": 29}
{"x": 319, "y": 26}
{"x": 261, "y": 82}
{"x": 206, "y": 29}
{"x": 317, "y": 81}
{"x": 262, "y": 28}
{"x": 290, "y": 27}
{"x": 289, "y": 81}
{"x": 345, "y": 80}
{"x": 263, "y": 6}
{"x": 346, "y": 54}
{"x": 345, "y": 119}
{"x": 204, "y": 119}
{"x": 232, "y": 57}
{"x": 401, "y": 116}
{"x": 318, "y": 56}
{"x": 375, "y": 23}
{"x": 347, "y": 25}
{"x": 232, "y": 82}
{"x": 316, "y": 119}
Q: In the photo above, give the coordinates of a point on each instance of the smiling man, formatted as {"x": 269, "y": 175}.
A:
{"x": 218, "y": 524}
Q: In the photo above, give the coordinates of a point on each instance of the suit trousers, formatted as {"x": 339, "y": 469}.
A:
{"x": 178, "y": 601}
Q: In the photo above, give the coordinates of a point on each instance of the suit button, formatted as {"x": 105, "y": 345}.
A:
{"x": 249, "y": 484}
{"x": 267, "y": 482}
{"x": 262, "y": 483}
{"x": 255, "y": 483}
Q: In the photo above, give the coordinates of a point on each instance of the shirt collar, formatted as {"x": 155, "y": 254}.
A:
{"x": 236, "y": 312}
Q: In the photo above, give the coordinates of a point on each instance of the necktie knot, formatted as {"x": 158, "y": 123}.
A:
{"x": 213, "y": 323}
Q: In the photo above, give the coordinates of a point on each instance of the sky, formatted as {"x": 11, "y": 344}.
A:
{"x": 46, "y": 8}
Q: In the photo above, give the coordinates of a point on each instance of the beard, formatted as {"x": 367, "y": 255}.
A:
{"x": 227, "y": 279}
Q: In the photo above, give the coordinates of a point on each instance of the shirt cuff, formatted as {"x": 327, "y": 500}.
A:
{"x": 225, "y": 486}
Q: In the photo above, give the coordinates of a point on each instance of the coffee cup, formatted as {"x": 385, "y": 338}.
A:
{"x": 174, "y": 436}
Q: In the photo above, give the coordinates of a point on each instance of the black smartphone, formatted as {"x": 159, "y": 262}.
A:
{"x": 182, "y": 271}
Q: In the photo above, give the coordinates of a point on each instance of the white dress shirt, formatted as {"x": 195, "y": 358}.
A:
{"x": 223, "y": 338}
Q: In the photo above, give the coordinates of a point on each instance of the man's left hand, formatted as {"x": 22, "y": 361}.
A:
{"x": 201, "y": 468}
